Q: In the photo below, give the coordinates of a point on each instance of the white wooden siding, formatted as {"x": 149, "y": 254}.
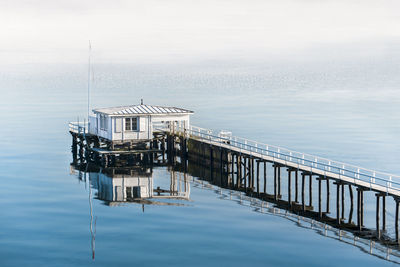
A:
{"x": 116, "y": 126}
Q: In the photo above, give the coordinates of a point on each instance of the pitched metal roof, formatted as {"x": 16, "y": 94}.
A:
{"x": 141, "y": 109}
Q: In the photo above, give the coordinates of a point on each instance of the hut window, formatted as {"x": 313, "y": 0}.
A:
{"x": 131, "y": 124}
{"x": 103, "y": 122}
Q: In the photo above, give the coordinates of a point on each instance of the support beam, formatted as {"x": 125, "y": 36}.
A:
{"x": 252, "y": 174}
{"x": 396, "y": 220}
{"x": 384, "y": 213}
{"x": 289, "y": 187}
{"x": 362, "y": 207}
{"x": 351, "y": 203}
{"x": 279, "y": 182}
{"x": 359, "y": 224}
{"x": 275, "y": 182}
{"x": 265, "y": 177}
{"x": 378, "y": 229}
{"x": 303, "y": 180}
{"x": 327, "y": 196}
{"x": 296, "y": 199}
{"x": 310, "y": 190}
{"x": 233, "y": 168}
{"x": 337, "y": 203}
{"x": 319, "y": 199}
{"x": 238, "y": 171}
{"x": 258, "y": 178}
{"x": 245, "y": 173}
{"x": 343, "y": 197}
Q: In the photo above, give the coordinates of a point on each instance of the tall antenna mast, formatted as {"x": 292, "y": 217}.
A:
{"x": 88, "y": 85}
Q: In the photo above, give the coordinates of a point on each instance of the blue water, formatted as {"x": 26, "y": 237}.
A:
{"x": 346, "y": 111}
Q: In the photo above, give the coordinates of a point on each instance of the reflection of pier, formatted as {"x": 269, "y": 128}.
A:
{"x": 211, "y": 178}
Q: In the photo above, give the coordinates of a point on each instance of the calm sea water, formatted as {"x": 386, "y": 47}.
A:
{"x": 345, "y": 110}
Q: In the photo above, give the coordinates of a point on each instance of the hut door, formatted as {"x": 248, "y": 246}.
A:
{"x": 118, "y": 125}
{"x": 142, "y": 126}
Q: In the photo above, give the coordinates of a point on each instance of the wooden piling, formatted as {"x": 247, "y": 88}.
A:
{"x": 245, "y": 173}
{"x": 265, "y": 177}
{"x": 343, "y": 197}
{"x": 303, "y": 180}
{"x": 279, "y": 181}
{"x": 337, "y": 203}
{"x": 238, "y": 169}
{"x": 362, "y": 207}
{"x": 384, "y": 213}
{"x": 396, "y": 221}
{"x": 327, "y": 195}
{"x": 258, "y": 178}
{"x": 319, "y": 198}
{"x": 310, "y": 190}
{"x": 359, "y": 224}
{"x": 275, "y": 181}
{"x": 296, "y": 186}
{"x": 289, "y": 187}
{"x": 378, "y": 229}
{"x": 351, "y": 203}
{"x": 252, "y": 174}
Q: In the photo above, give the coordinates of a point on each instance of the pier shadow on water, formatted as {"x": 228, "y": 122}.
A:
{"x": 134, "y": 183}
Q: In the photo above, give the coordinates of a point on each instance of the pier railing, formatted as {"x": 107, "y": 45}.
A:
{"x": 371, "y": 177}
{"x": 78, "y": 127}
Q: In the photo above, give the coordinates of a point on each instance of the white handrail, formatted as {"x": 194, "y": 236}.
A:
{"x": 379, "y": 178}
{"x": 78, "y": 127}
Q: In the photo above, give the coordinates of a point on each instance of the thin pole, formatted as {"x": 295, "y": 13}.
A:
{"x": 88, "y": 85}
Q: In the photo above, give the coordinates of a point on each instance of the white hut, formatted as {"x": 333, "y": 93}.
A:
{"x": 137, "y": 122}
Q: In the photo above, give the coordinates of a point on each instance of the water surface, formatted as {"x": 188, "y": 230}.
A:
{"x": 346, "y": 111}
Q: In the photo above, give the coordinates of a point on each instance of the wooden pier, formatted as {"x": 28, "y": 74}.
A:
{"x": 243, "y": 165}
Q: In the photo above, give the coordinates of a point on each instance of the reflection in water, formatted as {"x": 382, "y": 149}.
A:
{"x": 116, "y": 186}
{"x": 92, "y": 223}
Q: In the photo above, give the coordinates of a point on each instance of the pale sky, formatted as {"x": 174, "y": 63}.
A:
{"x": 159, "y": 31}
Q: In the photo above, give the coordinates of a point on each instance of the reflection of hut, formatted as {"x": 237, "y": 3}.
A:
{"x": 118, "y": 185}
{"x": 122, "y": 185}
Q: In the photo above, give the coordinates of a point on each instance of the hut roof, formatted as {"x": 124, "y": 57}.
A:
{"x": 142, "y": 109}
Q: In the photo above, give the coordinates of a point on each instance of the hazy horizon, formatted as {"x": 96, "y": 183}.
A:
{"x": 178, "y": 31}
